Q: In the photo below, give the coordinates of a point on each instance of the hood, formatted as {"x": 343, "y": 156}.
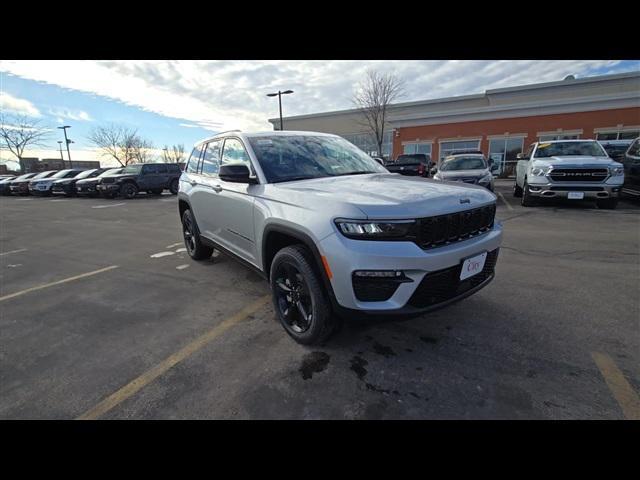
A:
{"x": 477, "y": 173}
{"x": 63, "y": 180}
{"x": 122, "y": 175}
{"x": 89, "y": 180}
{"x": 380, "y": 195}
{"x": 575, "y": 161}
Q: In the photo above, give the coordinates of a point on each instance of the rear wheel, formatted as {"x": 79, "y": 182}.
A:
{"x": 128, "y": 190}
{"x": 299, "y": 299}
{"x": 608, "y": 203}
{"x": 195, "y": 248}
{"x": 173, "y": 186}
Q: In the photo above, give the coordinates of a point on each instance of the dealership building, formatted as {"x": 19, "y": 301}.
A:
{"x": 500, "y": 122}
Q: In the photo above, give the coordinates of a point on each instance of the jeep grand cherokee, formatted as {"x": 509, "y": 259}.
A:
{"x": 332, "y": 230}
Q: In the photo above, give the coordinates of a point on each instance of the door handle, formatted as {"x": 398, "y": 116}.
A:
{"x": 193, "y": 183}
{"x": 217, "y": 188}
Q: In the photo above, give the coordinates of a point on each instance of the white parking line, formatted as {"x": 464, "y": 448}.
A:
{"x": 174, "y": 245}
{"x": 505, "y": 201}
{"x": 14, "y": 251}
{"x": 182, "y": 267}
{"x": 161, "y": 254}
{"x": 60, "y": 200}
{"x": 181, "y": 250}
{"x": 107, "y": 206}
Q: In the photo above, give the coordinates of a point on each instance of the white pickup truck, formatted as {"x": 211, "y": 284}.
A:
{"x": 572, "y": 169}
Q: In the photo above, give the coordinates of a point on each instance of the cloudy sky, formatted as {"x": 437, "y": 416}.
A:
{"x": 184, "y": 101}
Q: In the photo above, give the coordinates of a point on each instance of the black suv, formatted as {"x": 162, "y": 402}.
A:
{"x": 631, "y": 162}
{"x": 141, "y": 177}
{"x": 416, "y": 164}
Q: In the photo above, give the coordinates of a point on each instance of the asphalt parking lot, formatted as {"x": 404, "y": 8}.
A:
{"x": 104, "y": 315}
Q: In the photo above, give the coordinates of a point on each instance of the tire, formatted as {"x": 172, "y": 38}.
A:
{"x": 195, "y": 248}
{"x": 527, "y": 200}
{"x": 128, "y": 190}
{"x": 517, "y": 190}
{"x": 607, "y": 204}
{"x": 297, "y": 290}
{"x": 173, "y": 186}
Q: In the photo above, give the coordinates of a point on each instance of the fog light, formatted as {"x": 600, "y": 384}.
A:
{"x": 379, "y": 273}
{"x": 615, "y": 189}
{"x": 534, "y": 189}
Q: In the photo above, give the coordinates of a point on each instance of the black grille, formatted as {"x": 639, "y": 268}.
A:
{"x": 442, "y": 285}
{"x": 578, "y": 174}
{"x": 577, "y": 189}
{"x": 454, "y": 227}
{"x": 108, "y": 180}
{"x": 369, "y": 289}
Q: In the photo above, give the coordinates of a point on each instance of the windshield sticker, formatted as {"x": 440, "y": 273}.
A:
{"x": 543, "y": 145}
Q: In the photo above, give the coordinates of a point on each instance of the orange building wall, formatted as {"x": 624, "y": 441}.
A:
{"x": 586, "y": 121}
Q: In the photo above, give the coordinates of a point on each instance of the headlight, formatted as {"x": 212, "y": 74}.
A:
{"x": 486, "y": 179}
{"x": 539, "y": 171}
{"x": 376, "y": 230}
{"x": 616, "y": 171}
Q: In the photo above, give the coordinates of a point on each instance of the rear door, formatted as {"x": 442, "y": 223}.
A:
{"x": 205, "y": 200}
{"x": 163, "y": 176}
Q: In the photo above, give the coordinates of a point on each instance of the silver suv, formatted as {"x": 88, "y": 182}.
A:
{"x": 332, "y": 230}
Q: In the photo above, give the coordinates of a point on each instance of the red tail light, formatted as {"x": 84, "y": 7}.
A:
{"x": 421, "y": 169}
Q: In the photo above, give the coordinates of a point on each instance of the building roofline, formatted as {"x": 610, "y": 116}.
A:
{"x": 518, "y": 88}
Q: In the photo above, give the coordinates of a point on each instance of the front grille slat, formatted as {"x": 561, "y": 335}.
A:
{"x": 578, "y": 174}
{"x": 445, "y": 229}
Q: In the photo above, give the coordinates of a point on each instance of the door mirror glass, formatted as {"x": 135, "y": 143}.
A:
{"x": 236, "y": 173}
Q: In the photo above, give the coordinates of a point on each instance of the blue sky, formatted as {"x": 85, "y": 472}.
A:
{"x": 172, "y": 102}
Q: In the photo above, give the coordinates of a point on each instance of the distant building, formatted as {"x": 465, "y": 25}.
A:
{"x": 30, "y": 164}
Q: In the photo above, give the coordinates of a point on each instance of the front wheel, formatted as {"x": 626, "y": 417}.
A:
{"x": 299, "y": 300}
{"x": 527, "y": 200}
{"x": 517, "y": 190}
{"x": 608, "y": 204}
{"x": 128, "y": 190}
{"x": 195, "y": 248}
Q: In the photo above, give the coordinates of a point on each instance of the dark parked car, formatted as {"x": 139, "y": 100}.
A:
{"x": 42, "y": 186}
{"x": 416, "y": 164}
{"x": 616, "y": 148}
{"x": 631, "y": 162}
{"x": 4, "y": 185}
{"x": 67, "y": 186}
{"x": 87, "y": 186}
{"x": 20, "y": 185}
{"x": 142, "y": 177}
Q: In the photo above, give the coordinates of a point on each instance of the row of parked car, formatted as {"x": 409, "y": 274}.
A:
{"x": 125, "y": 182}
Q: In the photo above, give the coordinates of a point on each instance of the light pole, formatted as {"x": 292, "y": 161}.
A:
{"x": 279, "y": 94}
{"x": 165, "y": 154}
{"x": 64, "y": 129}
{"x": 61, "y": 156}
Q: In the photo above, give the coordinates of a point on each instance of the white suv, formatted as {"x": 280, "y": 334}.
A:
{"x": 332, "y": 230}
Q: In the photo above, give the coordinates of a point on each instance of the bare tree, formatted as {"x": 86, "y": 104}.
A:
{"x": 19, "y": 132}
{"x": 373, "y": 97}
{"x": 175, "y": 154}
{"x": 121, "y": 143}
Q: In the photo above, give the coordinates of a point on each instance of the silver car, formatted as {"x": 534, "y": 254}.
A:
{"x": 469, "y": 168}
{"x": 332, "y": 230}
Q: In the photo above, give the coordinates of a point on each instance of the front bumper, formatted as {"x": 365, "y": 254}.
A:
{"x": 591, "y": 190}
{"x": 63, "y": 190}
{"x": 40, "y": 189}
{"x": 19, "y": 189}
{"x": 345, "y": 256}
{"x": 108, "y": 188}
{"x": 88, "y": 189}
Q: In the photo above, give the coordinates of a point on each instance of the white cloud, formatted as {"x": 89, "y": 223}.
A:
{"x": 63, "y": 113}
{"x": 17, "y": 105}
{"x": 223, "y": 95}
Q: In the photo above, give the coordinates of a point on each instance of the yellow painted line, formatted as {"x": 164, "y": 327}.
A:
{"x": 620, "y": 388}
{"x": 47, "y": 285}
{"x": 150, "y": 375}
{"x": 505, "y": 201}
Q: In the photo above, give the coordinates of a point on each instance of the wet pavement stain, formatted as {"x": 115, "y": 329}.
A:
{"x": 313, "y": 362}
{"x": 357, "y": 365}
{"x": 429, "y": 340}
{"x": 383, "y": 350}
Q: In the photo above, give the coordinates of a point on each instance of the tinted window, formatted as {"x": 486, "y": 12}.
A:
{"x": 635, "y": 149}
{"x": 173, "y": 168}
{"x": 413, "y": 158}
{"x": 234, "y": 152}
{"x": 192, "y": 165}
{"x": 464, "y": 163}
{"x": 132, "y": 169}
{"x": 211, "y": 158}
{"x": 161, "y": 168}
{"x": 629, "y": 135}
{"x": 148, "y": 169}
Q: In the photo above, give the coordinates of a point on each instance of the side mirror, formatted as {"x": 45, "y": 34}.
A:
{"x": 433, "y": 171}
{"x": 522, "y": 156}
{"x": 236, "y": 173}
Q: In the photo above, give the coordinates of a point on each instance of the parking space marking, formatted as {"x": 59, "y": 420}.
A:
{"x": 150, "y": 375}
{"x": 181, "y": 250}
{"x": 60, "y": 200}
{"x": 109, "y": 205}
{"x": 182, "y": 267}
{"x": 505, "y": 201}
{"x": 47, "y": 285}
{"x": 13, "y": 251}
{"x": 620, "y": 388}
{"x": 161, "y": 254}
{"x": 174, "y": 245}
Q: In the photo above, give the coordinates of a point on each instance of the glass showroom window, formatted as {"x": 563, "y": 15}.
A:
{"x": 503, "y": 151}
{"x": 618, "y": 135}
{"x": 411, "y": 148}
{"x": 550, "y": 138}
{"x": 447, "y": 147}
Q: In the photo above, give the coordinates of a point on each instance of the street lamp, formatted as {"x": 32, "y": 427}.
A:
{"x": 61, "y": 156}
{"x": 279, "y": 94}
{"x": 165, "y": 154}
{"x": 64, "y": 129}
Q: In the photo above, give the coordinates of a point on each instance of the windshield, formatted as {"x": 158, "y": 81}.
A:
{"x": 85, "y": 174}
{"x": 463, "y": 163}
{"x": 63, "y": 174}
{"x": 25, "y": 176}
{"x": 561, "y": 149}
{"x": 288, "y": 158}
{"x": 135, "y": 169}
{"x": 43, "y": 175}
{"x": 111, "y": 171}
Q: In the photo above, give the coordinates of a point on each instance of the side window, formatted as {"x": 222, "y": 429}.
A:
{"x": 192, "y": 165}
{"x": 530, "y": 151}
{"x": 173, "y": 168}
{"x": 150, "y": 169}
{"x": 146, "y": 169}
{"x": 635, "y": 149}
{"x": 161, "y": 168}
{"x": 211, "y": 158}
{"x": 234, "y": 152}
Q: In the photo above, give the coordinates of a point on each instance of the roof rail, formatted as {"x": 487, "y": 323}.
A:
{"x": 228, "y": 131}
